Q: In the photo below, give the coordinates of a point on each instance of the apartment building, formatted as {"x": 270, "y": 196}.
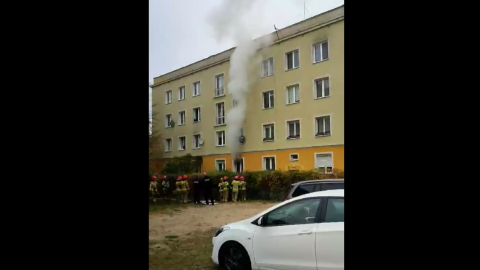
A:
{"x": 295, "y": 114}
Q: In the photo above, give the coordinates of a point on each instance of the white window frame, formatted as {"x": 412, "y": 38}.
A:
{"x": 264, "y": 133}
{"x": 323, "y": 153}
{"x": 263, "y": 99}
{"x": 199, "y": 88}
{"x": 287, "y": 126}
{"x": 315, "y": 125}
{"x": 167, "y": 123}
{"x": 264, "y": 165}
{"x": 193, "y": 141}
{"x": 199, "y": 115}
{"x": 323, "y": 87}
{"x": 286, "y": 93}
{"x": 168, "y": 93}
{"x": 293, "y": 60}
{"x": 219, "y": 92}
{"x": 243, "y": 166}
{"x": 262, "y": 69}
{"x": 179, "y": 143}
{"x": 291, "y": 159}
{"x": 180, "y": 93}
{"x": 216, "y": 113}
{"x": 321, "y": 51}
{"x": 166, "y": 143}
{"x": 180, "y": 118}
{"x": 224, "y": 137}
{"x": 224, "y": 164}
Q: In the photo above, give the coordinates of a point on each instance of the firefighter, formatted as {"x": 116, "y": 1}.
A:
{"x": 235, "y": 183}
{"x": 225, "y": 189}
{"x": 196, "y": 190}
{"x": 243, "y": 189}
{"x": 165, "y": 186}
{"x": 220, "y": 188}
{"x": 178, "y": 192}
{"x": 185, "y": 189}
{"x": 153, "y": 187}
{"x": 207, "y": 189}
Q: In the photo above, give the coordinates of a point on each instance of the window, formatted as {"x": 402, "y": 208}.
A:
{"x": 181, "y": 118}
{"x": 196, "y": 115}
{"x": 268, "y": 132}
{"x": 168, "y": 120}
{"x": 220, "y": 138}
{"x": 320, "y": 52}
{"x": 238, "y": 167}
{"x": 293, "y": 157}
{"x": 292, "y": 59}
{"x": 322, "y": 126}
{"x": 295, "y": 213}
{"x": 182, "y": 143}
{"x": 196, "y": 141}
{"x": 324, "y": 162}
{"x": 168, "y": 97}
{"x": 269, "y": 163}
{"x": 219, "y": 114}
{"x": 219, "y": 86}
{"x": 329, "y": 186}
{"x": 303, "y": 189}
{"x": 293, "y": 129}
{"x": 322, "y": 88}
{"x": 293, "y": 94}
{"x": 196, "y": 89}
{"x": 181, "y": 93}
{"x": 168, "y": 145}
{"x": 268, "y": 100}
{"x": 220, "y": 164}
{"x": 335, "y": 210}
{"x": 267, "y": 67}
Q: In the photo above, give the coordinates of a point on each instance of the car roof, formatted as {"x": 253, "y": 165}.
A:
{"x": 325, "y": 193}
{"x": 318, "y": 181}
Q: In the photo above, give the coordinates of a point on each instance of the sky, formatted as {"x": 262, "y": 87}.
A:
{"x": 180, "y": 35}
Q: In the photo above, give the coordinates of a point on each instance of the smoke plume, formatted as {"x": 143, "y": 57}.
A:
{"x": 241, "y": 21}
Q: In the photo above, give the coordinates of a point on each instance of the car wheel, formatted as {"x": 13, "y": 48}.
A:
{"x": 234, "y": 257}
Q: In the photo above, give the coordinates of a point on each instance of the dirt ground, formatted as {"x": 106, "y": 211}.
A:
{"x": 182, "y": 222}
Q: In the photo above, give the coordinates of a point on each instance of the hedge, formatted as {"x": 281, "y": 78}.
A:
{"x": 263, "y": 185}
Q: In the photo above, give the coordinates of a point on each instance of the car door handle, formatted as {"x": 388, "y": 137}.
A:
{"x": 304, "y": 232}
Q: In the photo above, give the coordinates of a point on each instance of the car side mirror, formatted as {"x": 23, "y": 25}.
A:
{"x": 261, "y": 221}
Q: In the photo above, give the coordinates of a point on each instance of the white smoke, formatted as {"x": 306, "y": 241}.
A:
{"x": 240, "y": 20}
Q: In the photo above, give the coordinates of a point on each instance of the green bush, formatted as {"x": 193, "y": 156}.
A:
{"x": 261, "y": 185}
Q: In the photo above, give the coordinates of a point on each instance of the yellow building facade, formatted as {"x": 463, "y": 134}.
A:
{"x": 295, "y": 110}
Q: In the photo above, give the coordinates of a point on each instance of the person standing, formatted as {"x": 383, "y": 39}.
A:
{"x": 207, "y": 189}
{"x": 243, "y": 189}
{"x": 225, "y": 189}
{"x": 196, "y": 190}
{"x": 153, "y": 187}
{"x": 220, "y": 188}
{"x": 185, "y": 189}
{"x": 165, "y": 186}
{"x": 178, "y": 191}
{"x": 235, "y": 183}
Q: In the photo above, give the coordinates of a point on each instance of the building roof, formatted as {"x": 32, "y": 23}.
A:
{"x": 310, "y": 24}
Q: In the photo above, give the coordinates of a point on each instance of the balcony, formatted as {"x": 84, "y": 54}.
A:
{"x": 219, "y": 120}
{"x": 219, "y": 92}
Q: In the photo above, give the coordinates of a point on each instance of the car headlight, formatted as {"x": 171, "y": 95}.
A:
{"x": 220, "y": 230}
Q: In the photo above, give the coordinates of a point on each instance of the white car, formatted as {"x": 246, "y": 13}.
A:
{"x": 304, "y": 233}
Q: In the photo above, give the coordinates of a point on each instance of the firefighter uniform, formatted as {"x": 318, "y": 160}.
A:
{"x": 225, "y": 189}
{"x": 243, "y": 189}
{"x": 178, "y": 191}
{"x": 153, "y": 187}
{"x": 184, "y": 188}
{"x": 235, "y": 184}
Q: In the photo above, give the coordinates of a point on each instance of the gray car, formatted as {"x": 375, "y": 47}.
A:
{"x": 308, "y": 186}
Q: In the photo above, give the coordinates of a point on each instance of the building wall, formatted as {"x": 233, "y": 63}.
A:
{"x": 309, "y": 107}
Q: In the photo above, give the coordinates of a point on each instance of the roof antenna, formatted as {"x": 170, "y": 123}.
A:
{"x": 276, "y": 30}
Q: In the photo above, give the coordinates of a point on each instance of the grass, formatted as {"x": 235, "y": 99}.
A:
{"x": 183, "y": 253}
{"x": 164, "y": 206}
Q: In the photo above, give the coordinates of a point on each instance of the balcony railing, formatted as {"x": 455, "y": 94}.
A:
{"x": 220, "y": 120}
{"x": 219, "y": 92}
